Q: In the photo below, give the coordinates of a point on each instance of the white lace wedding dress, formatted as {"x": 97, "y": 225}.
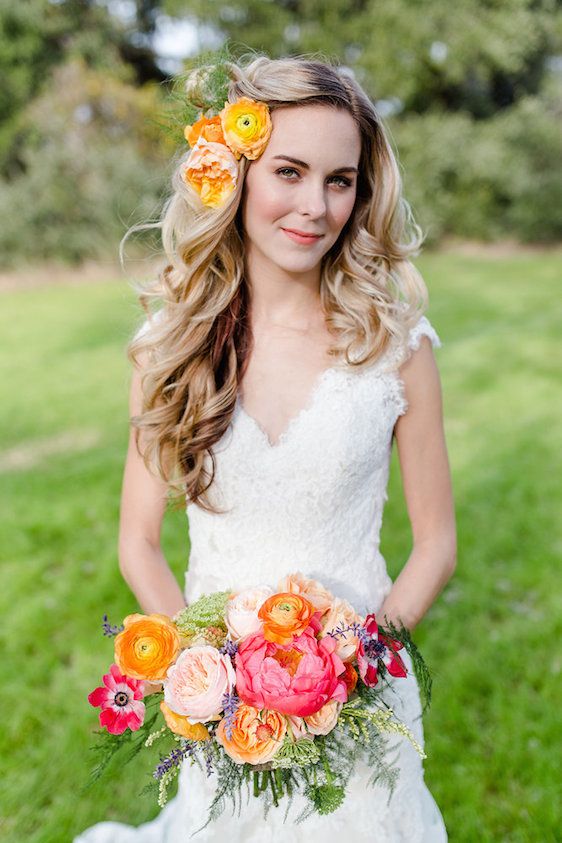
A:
{"x": 313, "y": 502}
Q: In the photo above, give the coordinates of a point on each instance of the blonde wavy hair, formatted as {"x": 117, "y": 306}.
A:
{"x": 194, "y": 355}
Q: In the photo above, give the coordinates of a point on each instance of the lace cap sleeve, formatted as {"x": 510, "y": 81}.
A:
{"x": 422, "y": 328}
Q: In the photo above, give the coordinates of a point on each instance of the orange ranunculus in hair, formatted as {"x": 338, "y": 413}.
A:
{"x": 285, "y": 616}
{"x": 180, "y": 725}
{"x": 147, "y": 646}
{"x": 256, "y": 736}
{"x": 208, "y": 128}
{"x": 246, "y": 126}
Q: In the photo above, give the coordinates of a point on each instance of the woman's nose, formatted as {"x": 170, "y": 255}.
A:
{"x": 312, "y": 200}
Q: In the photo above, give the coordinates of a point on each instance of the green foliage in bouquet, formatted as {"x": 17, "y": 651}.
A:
{"x": 205, "y": 618}
{"x": 126, "y": 745}
{"x": 421, "y": 670}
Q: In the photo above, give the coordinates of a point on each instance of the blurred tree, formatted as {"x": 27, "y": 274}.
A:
{"x": 94, "y": 163}
{"x": 37, "y": 35}
{"x": 477, "y": 56}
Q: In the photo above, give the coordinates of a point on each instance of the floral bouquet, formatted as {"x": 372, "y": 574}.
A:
{"x": 279, "y": 691}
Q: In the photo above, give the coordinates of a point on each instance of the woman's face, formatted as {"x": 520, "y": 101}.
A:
{"x": 314, "y": 193}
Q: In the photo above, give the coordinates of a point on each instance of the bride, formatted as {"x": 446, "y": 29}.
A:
{"x": 289, "y": 352}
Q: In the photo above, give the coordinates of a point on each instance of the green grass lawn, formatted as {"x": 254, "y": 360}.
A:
{"x": 493, "y": 638}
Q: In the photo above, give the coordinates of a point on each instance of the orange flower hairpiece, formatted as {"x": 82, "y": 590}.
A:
{"x": 242, "y": 128}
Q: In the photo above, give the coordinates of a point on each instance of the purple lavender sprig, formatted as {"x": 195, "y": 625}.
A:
{"x": 109, "y": 629}
{"x": 208, "y": 756}
{"x": 230, "y": 703}
{"x": 229, "y": 648}
{"x": 355, "y": 628}
{"x": 174, "y": 759}
{"x": 374, "y": 649}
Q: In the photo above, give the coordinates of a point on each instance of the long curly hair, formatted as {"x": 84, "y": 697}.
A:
{"x": 195, "y": 353}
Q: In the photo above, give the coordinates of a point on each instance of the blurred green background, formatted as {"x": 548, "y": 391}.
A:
{"x": 472, "y": 95}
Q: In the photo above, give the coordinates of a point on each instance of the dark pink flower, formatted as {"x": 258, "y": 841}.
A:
{"x": 374, "y": 648}
{"x": 296, "y": 679}
{"x": 120, "y": 702}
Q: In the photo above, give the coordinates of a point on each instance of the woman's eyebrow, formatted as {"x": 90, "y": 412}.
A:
{"x": 305, "y": 166}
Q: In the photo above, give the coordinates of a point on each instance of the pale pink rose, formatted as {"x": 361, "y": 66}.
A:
{"x": 324, "y": 720}
{"x": 197, "y": 682}
{"x": 242, "y": 611}
{"x": 342, "y": 614}
{"x": 314, "y": 591}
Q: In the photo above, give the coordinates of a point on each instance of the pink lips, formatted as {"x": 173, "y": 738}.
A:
{"x": 302, "y": 237}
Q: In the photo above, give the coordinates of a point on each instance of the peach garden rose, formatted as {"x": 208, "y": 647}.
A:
{"x": 324, "y": 721}
{"x": 197, "y": 683}
{"x": 256, "y": 735}
{"x": 319, "y": 596}
{"x": 341, "y": 613}
{"x": 211, "y": 171}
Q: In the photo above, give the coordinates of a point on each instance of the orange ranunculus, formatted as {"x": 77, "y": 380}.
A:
{"x": 180, "y": 725}
{"x": 212, "y": 171}
{"x": 208, "y": 128}
{"x": 256, "y": 736}
{"x": 246, "y": 125}
{"x": 285, "y": 616}
{"x": 147, "y": 646}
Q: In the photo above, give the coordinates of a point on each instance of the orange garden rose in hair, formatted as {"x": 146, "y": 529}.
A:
{"x": 256, "y": 736}
{"x": 212, "y": 172}
{"x": 180, "y": 725}
{"x": 285, "y": 616}
{"x": 208, "y": 128}
{"x": 246, "y": 126}
{"x": 147, "y": 646}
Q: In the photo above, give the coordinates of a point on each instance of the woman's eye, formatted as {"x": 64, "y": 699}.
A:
{"x": 340, "y": 180}
{"x": 285, "y": 170}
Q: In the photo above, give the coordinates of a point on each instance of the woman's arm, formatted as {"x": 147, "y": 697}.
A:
{"x": 143, "y": 504}
{"x": 426, "y": 480}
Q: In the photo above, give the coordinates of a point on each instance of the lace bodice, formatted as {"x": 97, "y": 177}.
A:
{"x": 313, "y": 501}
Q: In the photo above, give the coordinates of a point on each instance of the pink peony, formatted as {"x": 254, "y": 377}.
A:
{"x": 120, "y": 702}
{"x": 297, "y": 678}
{"x": 197, "y": 682}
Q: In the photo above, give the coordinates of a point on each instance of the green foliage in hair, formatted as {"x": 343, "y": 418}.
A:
{"x": 206, "y": 78}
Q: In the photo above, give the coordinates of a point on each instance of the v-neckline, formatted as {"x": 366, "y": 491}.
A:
{"x": 294, "y": 420}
